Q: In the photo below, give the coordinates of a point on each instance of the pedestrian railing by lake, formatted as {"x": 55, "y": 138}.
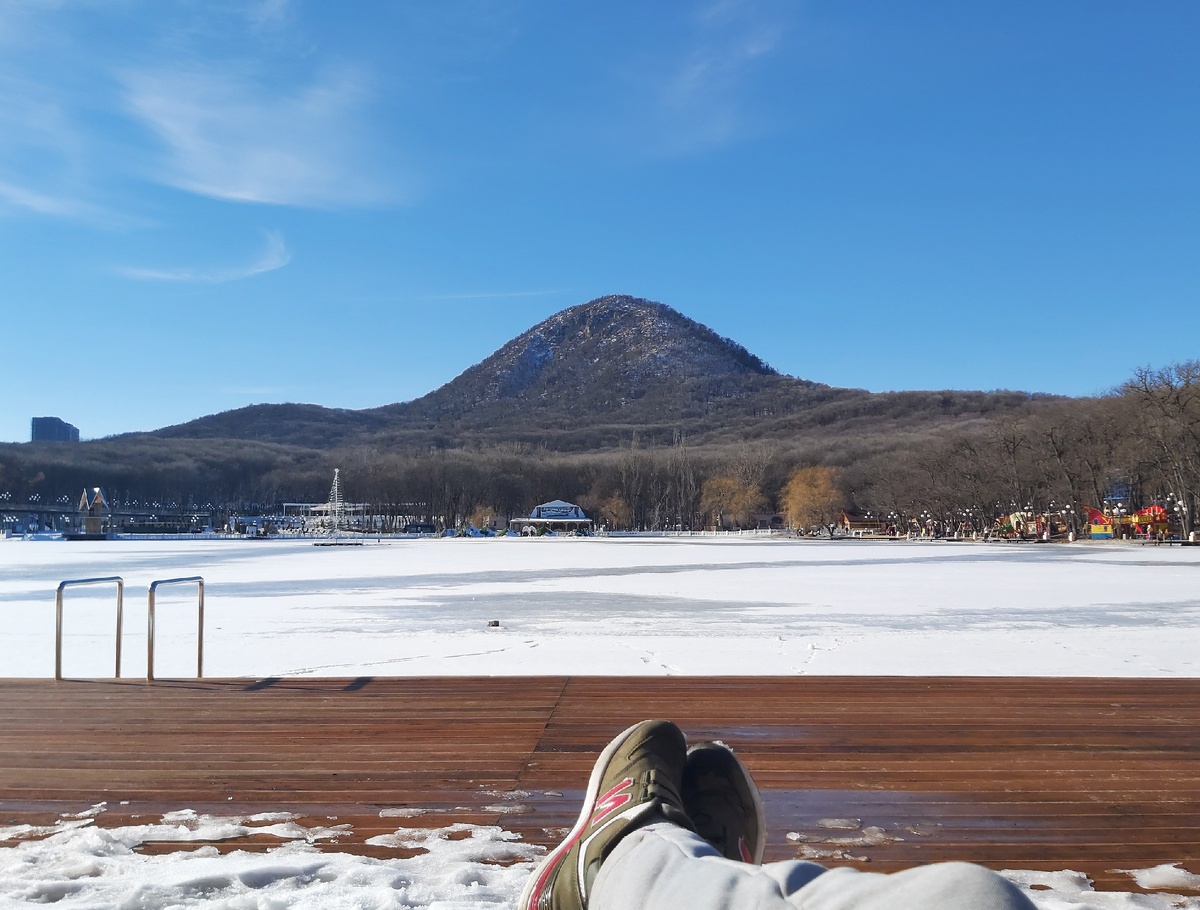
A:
{"x": 58, "y": 611}
{"x": 154, "y": 586}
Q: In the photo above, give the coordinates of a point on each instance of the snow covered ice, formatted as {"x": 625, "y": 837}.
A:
{"x": 685, "y": 606}
{"x": 689, "y": 606}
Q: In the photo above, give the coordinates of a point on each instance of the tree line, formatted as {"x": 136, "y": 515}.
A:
{"x": 1137, "y": 446}
{"x": 1140, "y": 442}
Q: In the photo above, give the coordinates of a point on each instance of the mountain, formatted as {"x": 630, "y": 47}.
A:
{"x": 592, "y": 376}
{"x": 599, "y": 357}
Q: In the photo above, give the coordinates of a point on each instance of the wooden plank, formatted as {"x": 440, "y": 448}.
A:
{"x": 1089, "y": 774}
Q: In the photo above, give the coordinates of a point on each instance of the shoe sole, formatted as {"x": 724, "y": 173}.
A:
{"x": 542, "y": 874}
{"x": 761, "y": 840}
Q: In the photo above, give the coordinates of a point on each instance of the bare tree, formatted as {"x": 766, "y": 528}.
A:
{"x": 1169, "y": 411}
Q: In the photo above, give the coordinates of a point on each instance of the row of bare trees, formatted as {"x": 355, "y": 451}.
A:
{"x": 1135, "y": 447}
{"x": 1141, "y": 443}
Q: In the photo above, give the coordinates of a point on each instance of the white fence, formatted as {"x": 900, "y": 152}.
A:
{"x": 755, "y": 532}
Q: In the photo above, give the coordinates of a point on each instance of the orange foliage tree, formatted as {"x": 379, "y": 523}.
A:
{"x": 812, "y": 497}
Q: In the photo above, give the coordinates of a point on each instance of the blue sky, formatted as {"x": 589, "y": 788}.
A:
{"x": 207, "y": 204}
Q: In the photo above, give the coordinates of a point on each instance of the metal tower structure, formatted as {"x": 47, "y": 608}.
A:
{"x": 337, "y": 507}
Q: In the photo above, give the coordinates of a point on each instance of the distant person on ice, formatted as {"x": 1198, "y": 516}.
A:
{"x": 664, "y": 827}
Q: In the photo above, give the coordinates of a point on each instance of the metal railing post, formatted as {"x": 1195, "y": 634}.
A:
{"x": 58, "y": 617}
{"x": 199, "y": 581}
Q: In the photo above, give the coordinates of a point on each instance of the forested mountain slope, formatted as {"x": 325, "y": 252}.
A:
{"x": 592, "y": 376}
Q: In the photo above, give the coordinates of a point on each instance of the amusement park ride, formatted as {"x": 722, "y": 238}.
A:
{"x": 1115, "y": 521}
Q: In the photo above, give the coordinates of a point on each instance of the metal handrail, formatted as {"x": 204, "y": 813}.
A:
{"x": 150, "y": 623}
{"x": 58, "y": 610}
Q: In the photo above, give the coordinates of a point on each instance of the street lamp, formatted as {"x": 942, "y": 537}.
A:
{"x": 1119, "y": 511}
{"x": 1178, "y": 505}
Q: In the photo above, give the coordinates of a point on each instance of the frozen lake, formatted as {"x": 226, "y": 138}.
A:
{"x": 606, "y": 606}
{"x": 709, "y": 606}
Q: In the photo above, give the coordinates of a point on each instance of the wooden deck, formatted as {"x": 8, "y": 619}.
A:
{"x": 1095, "y": 775}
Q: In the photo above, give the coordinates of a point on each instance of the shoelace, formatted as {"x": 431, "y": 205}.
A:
{"x": 659, "y": 786}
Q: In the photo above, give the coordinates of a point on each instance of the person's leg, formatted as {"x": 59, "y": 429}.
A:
{"x": 665, "y": 867}
{"x": 636, "y": 847}
{"x": 634, "y": 783}
{"x": 938, "y": 886}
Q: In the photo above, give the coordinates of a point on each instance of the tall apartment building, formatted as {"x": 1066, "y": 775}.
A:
{"x": 52, "y": 429}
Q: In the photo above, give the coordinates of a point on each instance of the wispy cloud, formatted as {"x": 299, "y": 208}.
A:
{"x": 42, "y": 166}
{"x": 274, "y": 256}
{"x": 701, "y": 94}
{"x": 64, "y": 203}
{"x": 52, "y": 155}
{"x": 20, "y": 197}
{"x": 235, "y": 136}
{"x": 267, "y": 118}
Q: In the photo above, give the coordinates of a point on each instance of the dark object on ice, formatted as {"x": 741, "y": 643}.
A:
{"x": 493, "y": 623}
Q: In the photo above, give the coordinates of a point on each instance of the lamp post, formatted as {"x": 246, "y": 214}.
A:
{"x": 1178, "y": 505}
{"x": 1119, "y": 511}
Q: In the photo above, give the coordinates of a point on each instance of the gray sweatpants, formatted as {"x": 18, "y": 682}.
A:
{"x": 666, "y": 867}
